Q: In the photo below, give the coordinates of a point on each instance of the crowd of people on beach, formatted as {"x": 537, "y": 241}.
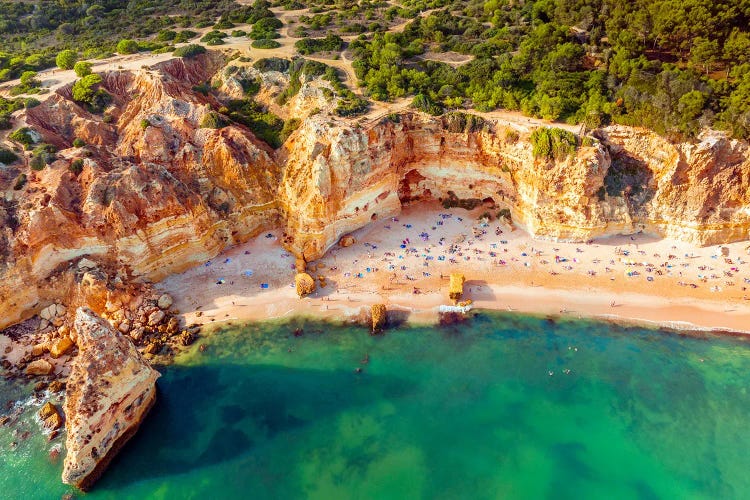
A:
{"x": 418, "y": 250}
{"x": 452, "y": 242}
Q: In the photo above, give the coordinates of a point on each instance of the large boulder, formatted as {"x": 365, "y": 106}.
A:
{"x": 110, "y": 390}
{"x": 165, "y": 301}
{"x": 304, "y": 283}
{"x": 347, "y": 241}
{"x": 39, "y": 367}
{"x": 156, "y": 317}
{"x": 50, "y": 416}
{"x": 60, "y": 346}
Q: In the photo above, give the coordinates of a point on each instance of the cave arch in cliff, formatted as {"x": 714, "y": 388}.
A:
{"x": 409, "y": 187}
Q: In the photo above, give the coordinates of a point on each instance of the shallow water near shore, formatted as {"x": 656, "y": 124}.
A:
{"x": 502, "y": 406}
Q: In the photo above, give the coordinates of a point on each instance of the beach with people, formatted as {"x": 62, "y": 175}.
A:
{"x": 405, "y": 262}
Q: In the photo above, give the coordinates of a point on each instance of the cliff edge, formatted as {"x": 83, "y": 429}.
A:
{"x": 109, "y": 392}
{"x": 158, "y": 192}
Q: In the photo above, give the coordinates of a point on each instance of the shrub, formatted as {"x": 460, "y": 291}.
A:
{"x": 458, "y": 122}
{"x": 66, "y": 59}
{"x": 163, "y": 50}
{"x": 86, "y": 91}
{"x": 189, "y": 51}
{"x": 184, "y": 36}
{"x": 82, "y": 68}
{"x": 43, "y": 155}
{"x": 289, "y": 127}
{"x": 20, "y": 182}
{"x": 224, "y": 24}
{"x": 145, "y": 124}
{"x": 166, "y": 35}
{"x": 7, "y": 157}
{"x": 214, "y": 38}
{"x": 265, "y": 43}
{"x": 310, "y": 45}
{"x": 127, "y": 46}
{"x": 204, "y": 88}
{"x": 31, "y": 102}
{"x": 213, "y": 120}
{"x": 76, "y": 166}
{"x": 28, "y": 79}
{"x": 22, "y": 136}
{"x": 264, "y": 125}
{"x": 423, "y": 103}
{"x": 351, "y": 105}
{"x": 272, "y": 64}
{"x": 78, "y": 142}
{"x": 265, "y": 28}
{"x": 552, "y": 143}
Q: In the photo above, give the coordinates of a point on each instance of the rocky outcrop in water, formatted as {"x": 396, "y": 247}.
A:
{"x": 109, "y": 392}
{"x": 378, "y": 317}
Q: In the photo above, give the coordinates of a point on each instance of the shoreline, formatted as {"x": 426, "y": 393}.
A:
{"x": 655, "y": 317}
{"x": 382, "y": 267}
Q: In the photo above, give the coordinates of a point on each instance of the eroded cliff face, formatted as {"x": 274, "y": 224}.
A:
{"x": 158, "y": 194}
{"x": 697, "y": 192}
{"x": 109, "y": 392}
{"x": 338, "y": 177}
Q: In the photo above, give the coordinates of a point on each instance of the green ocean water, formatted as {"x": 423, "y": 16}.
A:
{"x": 505, "y": 406}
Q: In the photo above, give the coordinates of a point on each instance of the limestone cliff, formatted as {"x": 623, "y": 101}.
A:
{"x": 339, "y": 176}
{"x": 157, "y": 193}
{"x": 109, "y": 392}
{"x": 692, "y": 191}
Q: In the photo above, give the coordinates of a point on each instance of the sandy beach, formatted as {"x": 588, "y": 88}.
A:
{"x": 405, "y": 261}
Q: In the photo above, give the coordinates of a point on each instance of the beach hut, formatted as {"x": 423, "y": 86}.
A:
{"x": 304, "y": 283}
{"x": 456, "y": 289}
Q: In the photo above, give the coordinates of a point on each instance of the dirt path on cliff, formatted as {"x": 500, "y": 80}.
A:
{"x": 515, "y": 119}
{"x": 54, "y": 79}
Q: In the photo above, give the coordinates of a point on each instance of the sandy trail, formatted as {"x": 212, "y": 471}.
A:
{"x": 505, "y": 271}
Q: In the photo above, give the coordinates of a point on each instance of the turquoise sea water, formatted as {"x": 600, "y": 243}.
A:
{"x": 483, "y": 410}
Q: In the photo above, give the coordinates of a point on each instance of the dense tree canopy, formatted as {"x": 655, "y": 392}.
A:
{"x": 33, "y": 33}
{"x": 66, "y": 59}
{"x": 671, "y": 65}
